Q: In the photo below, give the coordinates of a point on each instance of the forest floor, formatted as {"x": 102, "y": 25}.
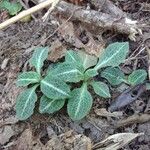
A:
{"x": 58, "y": 131}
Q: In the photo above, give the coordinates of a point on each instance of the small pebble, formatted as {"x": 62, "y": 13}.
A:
{"x": 4, "y": 63}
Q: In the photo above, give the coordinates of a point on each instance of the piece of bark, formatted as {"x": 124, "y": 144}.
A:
{"x": 108, "y": 7}
{"x": 136, "y": 118}
{"x": 98, "y": 19}
{"x": 127, "y": 97}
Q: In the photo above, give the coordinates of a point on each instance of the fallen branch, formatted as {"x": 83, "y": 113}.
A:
{"x": 26, "y": 13}
{"x": 99, "y": 19}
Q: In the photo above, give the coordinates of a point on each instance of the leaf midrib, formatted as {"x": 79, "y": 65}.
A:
{"x": 72, "y": 57}
{"x": 26, "y": 103}
{"x": 39, "y": 61}
{"x": 80, "y": 100}
{"x": 45, "y": 108}
{"x": 55, "y": 88}
{"x": 27, "y": 79}
{"x": 102, "y": 89}
{"x": 67, "y": 72}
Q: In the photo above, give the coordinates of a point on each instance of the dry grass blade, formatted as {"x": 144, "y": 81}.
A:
{"x": 116, "y": 141}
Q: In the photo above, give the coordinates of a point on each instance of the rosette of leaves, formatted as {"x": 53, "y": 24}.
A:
{"x": 58, "y": 86}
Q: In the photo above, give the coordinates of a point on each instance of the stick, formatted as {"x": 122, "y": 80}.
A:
{"x": 99, "y": 19}
{"x": 26, "y": 13}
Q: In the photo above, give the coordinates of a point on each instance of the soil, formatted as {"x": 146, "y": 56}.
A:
{"x": 57, "y": 131}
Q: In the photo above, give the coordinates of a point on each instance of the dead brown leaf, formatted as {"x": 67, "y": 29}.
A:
{"x": 27, "y": 142}
{"x": 57, "y": 50}
{"x": 72, "y": 34}
{"x": 68, "y": 33}
{"x": 82, "y": 143}
{"x": 68, "y": 140}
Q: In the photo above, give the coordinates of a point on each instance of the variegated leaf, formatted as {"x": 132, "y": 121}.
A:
{"x": 137, "y": 77}
{"x": 25, "y": 103}
{"x": 67, "y": 72}
{"x": 54, "y": 88}
{"x": 27, "y": 78}
{"x": 87, "y": 60}
{"x": 80, "y": 103}
{"x": 101, "y": 89}
{"x": 113, "y": 55}
{"x": 38, "y": 57}
{"x": 114, "y": 75}
{"x": 50, "y": 106}
{"x": 72, "y": 57}
{"x": 90, "y": 73}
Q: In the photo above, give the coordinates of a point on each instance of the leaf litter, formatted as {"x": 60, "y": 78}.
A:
{"x": 93, "y": 126}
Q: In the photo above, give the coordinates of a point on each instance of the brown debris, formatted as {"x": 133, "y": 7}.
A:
{"x": 57, "y": 50}
{"x": 104, "y": 113}
{"x": 108, "y": 7}
{"x": 136, "y": 118}
{"x": 116, "y": 141}
{"x": 99, "y": 19}
{"x": 72, "y": 34}
{"x": 68, "y": 140}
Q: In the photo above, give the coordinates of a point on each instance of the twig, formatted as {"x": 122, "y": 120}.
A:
{"x": 134, "y": 57}
{"x": 26, "y": 13}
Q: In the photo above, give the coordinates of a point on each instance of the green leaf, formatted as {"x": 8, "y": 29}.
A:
{"x": 90, "y": 73}
{"x": 87, "y": 60}
{"x": 38, "y": 57}
{"x": 50, "y": 106}
{"x": 113, "y": 55}
{"x": 72, "y": 57}
{"x": 27, "y": 78}
{"x": 12, "y": 7}
{"x": 25, "y": 103}
{"x": 80, "y": 58}
{"x": 80, "y": 103}
{"x": 137, "y": 77}
{"x": 67, "y": 72}
{"x": 101, "y": 89}
{"x": 54, "y": 88}
{"x": 114, "y": 75}
{"x": 147, "y": 86}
